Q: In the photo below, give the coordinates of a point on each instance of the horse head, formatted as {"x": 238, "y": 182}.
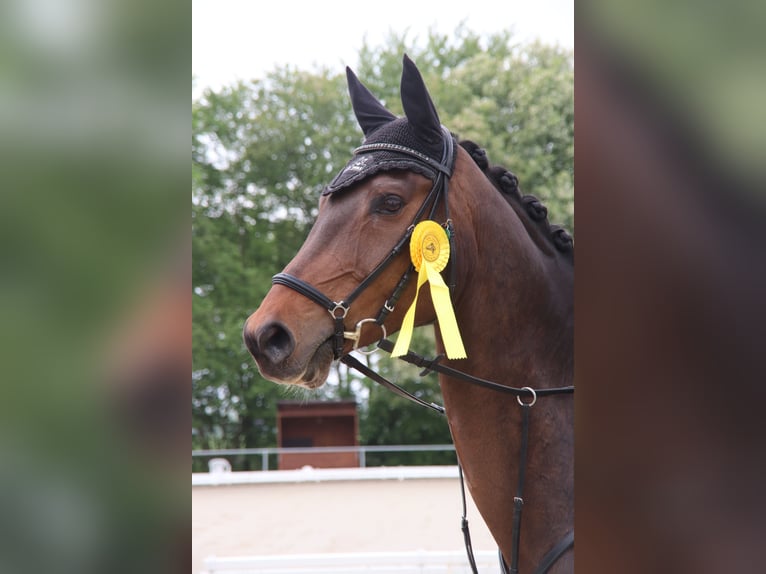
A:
{"x": 330, "y": 297}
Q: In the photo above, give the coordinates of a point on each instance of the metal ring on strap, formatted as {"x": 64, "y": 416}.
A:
{"x": 534, "y": 397}
{"x": 356, "y": 335}
{"x": 339, "y": 307}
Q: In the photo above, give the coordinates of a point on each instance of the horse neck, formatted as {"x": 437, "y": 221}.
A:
{"x": 514, "y": 310}
{"x": 514, "y": 301}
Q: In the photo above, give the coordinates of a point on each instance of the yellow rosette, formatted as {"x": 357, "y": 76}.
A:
{"x": 429, "y": 250}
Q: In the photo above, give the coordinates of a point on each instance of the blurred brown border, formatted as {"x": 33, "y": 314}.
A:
{"x": 670, "y": 282}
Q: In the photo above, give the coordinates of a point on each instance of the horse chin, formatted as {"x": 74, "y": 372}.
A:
{"x": 318, "y": 367}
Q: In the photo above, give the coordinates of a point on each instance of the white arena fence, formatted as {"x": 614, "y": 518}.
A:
{"x": 361, "y": 450}
{"x": 416, "y": 562}
{"x": 310, "y": 474}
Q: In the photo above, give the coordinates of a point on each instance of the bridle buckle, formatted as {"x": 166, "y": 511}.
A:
{"x": 338, "y": 306}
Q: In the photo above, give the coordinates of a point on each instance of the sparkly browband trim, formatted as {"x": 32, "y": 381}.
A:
{"x": 405, "y": 150}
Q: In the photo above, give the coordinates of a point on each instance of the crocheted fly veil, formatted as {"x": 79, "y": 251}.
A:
{"x": 416, "y": 131}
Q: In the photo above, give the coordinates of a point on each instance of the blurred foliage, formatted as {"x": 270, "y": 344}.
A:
{"x": 670, "y": 149}
{"x": 261, "y": 153}
{"x": 701, "y": 60}
{"x": 93, "y": 218}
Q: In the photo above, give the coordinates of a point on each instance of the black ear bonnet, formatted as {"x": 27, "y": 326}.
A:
{"x": 419, "y": 133}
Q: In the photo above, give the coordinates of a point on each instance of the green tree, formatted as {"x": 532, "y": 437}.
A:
{"x": 261, "y": 152}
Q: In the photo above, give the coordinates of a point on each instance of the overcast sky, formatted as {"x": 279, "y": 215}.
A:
{"x": 242, "y": 39}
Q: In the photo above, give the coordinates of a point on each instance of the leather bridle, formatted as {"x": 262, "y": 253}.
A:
{"x": 338, "y": 310}
{"x": 438, "y": 194}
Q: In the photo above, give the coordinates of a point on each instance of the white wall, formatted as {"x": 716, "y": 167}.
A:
{"x": 374, "y": 515}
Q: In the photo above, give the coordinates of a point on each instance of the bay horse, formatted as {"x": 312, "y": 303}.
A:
{"x": 511, "y": 278}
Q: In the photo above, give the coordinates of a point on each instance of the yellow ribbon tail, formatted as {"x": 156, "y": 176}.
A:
{"x": 453, "y": 343}
{"x": 405, "y": 333}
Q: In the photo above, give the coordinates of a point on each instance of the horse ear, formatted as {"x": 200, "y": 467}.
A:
{"x": 370, "y": 113}
{"x": 417, "y": 103}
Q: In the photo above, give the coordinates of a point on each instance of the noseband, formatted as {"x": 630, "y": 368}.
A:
{"x": 339, "y": 309}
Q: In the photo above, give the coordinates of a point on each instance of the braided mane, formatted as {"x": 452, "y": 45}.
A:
{"x": 529, "y": 208}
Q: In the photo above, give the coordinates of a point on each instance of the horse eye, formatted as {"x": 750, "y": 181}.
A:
{"x": 390, "y": 204}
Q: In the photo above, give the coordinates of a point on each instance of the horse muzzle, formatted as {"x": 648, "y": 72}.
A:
{"x": 281, "y": 357}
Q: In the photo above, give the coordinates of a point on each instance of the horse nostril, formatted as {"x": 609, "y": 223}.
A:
{"x": 272, "y": 341}
{"x": 250, "y": 341}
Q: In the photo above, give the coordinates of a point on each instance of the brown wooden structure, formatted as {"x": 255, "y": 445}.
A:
{"x": 317, "y": 424}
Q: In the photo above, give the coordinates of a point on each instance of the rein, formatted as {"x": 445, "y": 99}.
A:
{"x": 433, "y": 364}
{"x": 338, "y": 310}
